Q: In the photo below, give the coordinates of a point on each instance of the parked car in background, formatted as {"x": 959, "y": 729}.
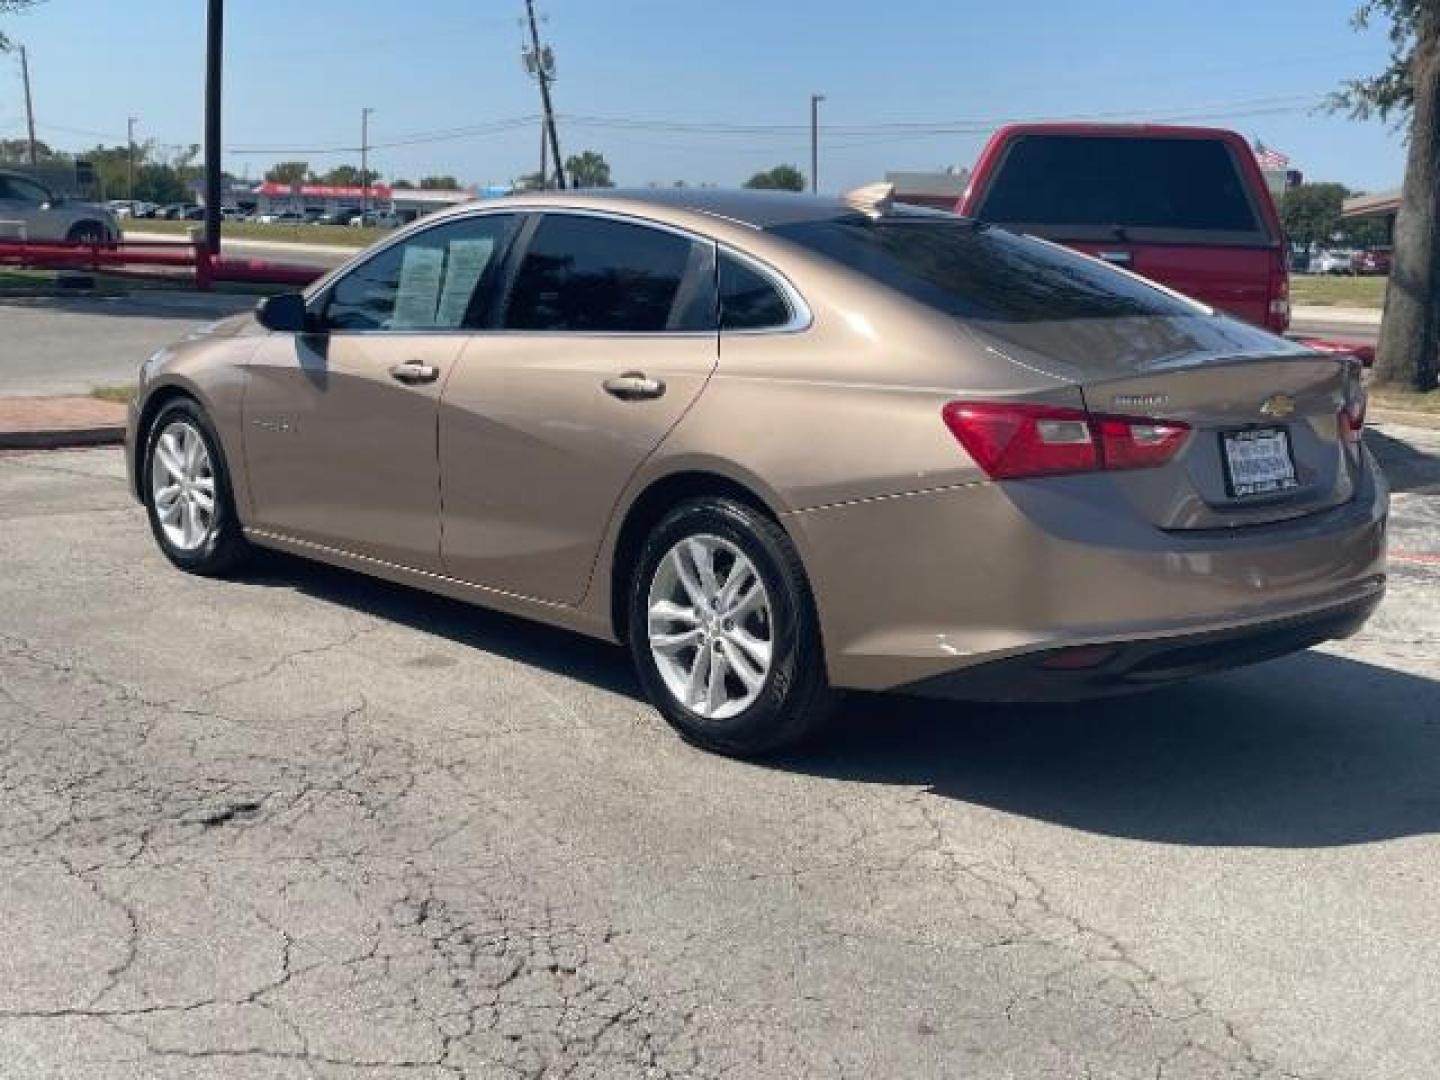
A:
{"x": 193, "y": 213}
{"x": 47, "y": 216}
{"x": 1371, "y": 262}
{"x": 1335, "y": 262}
{"x": 342, "y": 216}
{"x": 375, "y": 219}
{"x": 281, "y": 217}
{"x": 121, "y": 208}
{"x": 782, "y": 445}
{"x": 1186, "y": 207}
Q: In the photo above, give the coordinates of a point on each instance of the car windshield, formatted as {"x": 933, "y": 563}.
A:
{"x": 971, "y": 271}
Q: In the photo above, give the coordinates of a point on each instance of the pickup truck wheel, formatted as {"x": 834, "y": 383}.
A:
{"x": 87, "y": 232}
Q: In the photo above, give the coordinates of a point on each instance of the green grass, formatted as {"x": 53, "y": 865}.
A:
{"x": 1313, "y": 290}
{"x": 339, "y": 235}
{"x": 26, "y": 279}
{"x": 1392, "y": 397}
{"x": 121, "y": 395}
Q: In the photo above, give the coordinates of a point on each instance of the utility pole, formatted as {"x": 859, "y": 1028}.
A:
{"x": 365, "y": 162}
{"x": 29, "y": 105}
{"x": 540, "y": 62}
{"x": 214, "y": 56}
{"x": 130, "y": 142}
{"x": 815, "y": 100}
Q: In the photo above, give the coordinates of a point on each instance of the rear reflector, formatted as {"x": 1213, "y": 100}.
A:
{"x": 1352, "y": 418}
{"x": 1015, "y": 440}
{"x": 1079, "y": 658}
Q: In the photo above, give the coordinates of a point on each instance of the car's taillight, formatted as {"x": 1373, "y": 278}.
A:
{"x": 1010, "y": 441}
{"x": 1352, "y": 418}
{"x": 1014, "y": 440}
{"x": 1277, "y": 314}
{"x": 1130, "y": 442}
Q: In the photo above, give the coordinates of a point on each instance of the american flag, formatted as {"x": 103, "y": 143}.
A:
{"x": 1270, "y": 159}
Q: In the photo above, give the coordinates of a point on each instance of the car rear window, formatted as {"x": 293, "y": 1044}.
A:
{"x": 1109, "y": 183}
{"x": 973, "y": 271}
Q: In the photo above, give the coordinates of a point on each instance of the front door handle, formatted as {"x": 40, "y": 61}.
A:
{"x": 634, "y": 386}
{"x": 413, "y": 372}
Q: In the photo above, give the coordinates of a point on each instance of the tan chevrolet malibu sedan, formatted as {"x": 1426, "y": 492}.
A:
{"x": 783, "y": 446}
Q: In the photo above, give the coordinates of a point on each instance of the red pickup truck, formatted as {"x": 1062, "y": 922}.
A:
{"x": 1187, "y": 207}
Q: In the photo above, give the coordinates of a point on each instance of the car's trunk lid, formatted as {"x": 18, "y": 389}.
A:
{"x": 1251, "y": 400}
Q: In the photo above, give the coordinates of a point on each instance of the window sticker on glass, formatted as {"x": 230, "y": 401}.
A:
{"x": 465, "y": 264}
{"x": 419, "y": 292}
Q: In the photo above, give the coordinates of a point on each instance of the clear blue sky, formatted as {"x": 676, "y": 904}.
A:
{"x": 298, "y": 72}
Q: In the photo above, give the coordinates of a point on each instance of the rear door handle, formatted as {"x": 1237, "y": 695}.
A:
{"x": 413, "y": 372}
{"x": 634, "y": 386}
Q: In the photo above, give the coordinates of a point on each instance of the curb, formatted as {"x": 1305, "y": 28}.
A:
{"x": 63, "y": 438}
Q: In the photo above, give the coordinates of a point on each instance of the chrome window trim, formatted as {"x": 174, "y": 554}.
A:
{"x": 801, "y": 318}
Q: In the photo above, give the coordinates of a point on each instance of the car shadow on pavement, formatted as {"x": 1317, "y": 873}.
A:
{"x": 1406, "y": 468}
{"x": 1309, "y": 751}
{"x": 1313, "y": 750}
{"x": 572, "y": 655}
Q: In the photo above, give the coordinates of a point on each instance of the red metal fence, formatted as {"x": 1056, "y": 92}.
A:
{"x": 148, "y": 256}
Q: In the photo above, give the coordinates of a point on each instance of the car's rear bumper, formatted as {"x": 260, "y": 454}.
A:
{"x": 918, "y": 589}
{"x": 1103, "y": 669}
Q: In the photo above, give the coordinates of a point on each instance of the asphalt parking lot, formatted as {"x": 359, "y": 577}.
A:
{"x": 302, "y": 824}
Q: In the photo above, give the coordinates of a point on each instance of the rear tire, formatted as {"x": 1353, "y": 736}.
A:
{"x": 724, "y": 633}
{"x": 185, "y": 484}
{"x": 88, "y": 232}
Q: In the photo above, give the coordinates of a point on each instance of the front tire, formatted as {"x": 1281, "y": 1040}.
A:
{"x": 187, "y": 493}
{"x": 724, "y": 633}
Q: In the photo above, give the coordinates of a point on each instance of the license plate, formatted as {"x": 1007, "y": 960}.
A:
{"x": 1258, "y": 462}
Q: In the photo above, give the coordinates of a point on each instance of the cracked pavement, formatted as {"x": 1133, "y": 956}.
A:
{"x": 306, "y": 825}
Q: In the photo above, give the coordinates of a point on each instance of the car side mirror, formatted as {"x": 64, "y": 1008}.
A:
{"x": 284, "y": 313}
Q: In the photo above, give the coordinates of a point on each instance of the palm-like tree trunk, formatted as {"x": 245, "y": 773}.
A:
{"x": 1410, "y": 334}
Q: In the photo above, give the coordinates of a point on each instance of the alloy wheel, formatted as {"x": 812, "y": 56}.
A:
{"x": 182, "y": 486}
{"x": 710, "y": 626}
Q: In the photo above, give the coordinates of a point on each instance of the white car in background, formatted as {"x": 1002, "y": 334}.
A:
{"x": 1332, "y": 262}
{"x": 46, "y": 216}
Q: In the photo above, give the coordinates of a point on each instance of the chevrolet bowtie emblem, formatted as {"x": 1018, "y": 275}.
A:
{"x": 1278, "y": 406}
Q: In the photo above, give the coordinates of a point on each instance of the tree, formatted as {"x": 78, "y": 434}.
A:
{"x": 529, "y": 182}
{"x": 13, "y": 7}
{"x": 401, "y": 184}
{"x": 588, "y": 169}
{"x": 1310, "y": 213}
{"x": 780, "y": 178}
{"x": 1408, "y": 90}
{"x": 439, "y": 183}
{"x": 348, "y": 176}
{"x": 17, "y": 152}
{"x": 288, "y": 172}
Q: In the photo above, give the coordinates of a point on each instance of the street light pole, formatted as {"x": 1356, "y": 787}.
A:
{"x": 214, "y": 56}
{"x": 365, "y": 163}
{"x": 130, "y": 143}
{"x": 29, "y": 105}
{"x": 815, "y": 100}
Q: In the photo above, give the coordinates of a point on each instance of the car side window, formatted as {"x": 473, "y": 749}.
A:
{"x": 14, "y": 187}
{"x": 597, "y": 275}
{"x": 748, "y": 299}
{"x": 434, "y": 280}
